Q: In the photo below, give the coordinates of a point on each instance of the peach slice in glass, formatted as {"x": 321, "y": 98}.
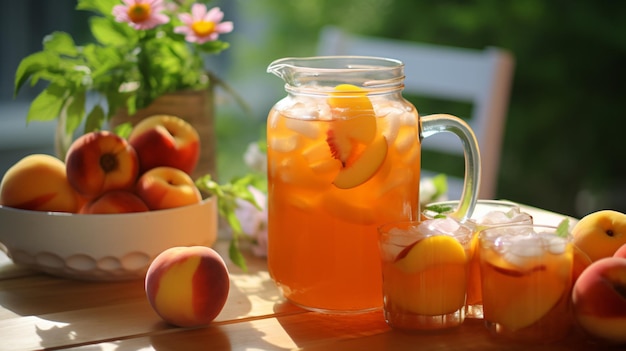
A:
{"x": 434, "y": 274}
{"x": 512, "y": 299}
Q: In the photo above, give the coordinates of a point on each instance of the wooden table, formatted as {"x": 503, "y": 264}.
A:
{"x": 38, "y": 311}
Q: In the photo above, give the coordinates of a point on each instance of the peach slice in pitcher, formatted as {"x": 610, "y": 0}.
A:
{"x": 364, "y": 167}
{"x": 352, "y": 136}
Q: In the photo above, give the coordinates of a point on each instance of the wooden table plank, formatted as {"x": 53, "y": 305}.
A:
{"x": 314, "y": 331}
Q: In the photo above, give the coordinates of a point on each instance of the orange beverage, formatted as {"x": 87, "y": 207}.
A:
{"x": 526, "y": 282}
{"x": 343, "y": 151}
{"x": 425, "y": 271}
{"x": 322, "y": 235}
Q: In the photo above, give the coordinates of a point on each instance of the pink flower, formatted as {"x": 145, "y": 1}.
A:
{"x": 141, "y": 14}
{"x": 202, "y": 25}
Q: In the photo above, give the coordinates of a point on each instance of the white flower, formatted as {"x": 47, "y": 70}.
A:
{"x": 254, "y": 221}
{"x": 255, "y": 158}
{"x": 428, "y": 192}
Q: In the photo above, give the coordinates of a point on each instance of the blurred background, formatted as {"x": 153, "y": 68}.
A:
{"x": 564, "y": 147}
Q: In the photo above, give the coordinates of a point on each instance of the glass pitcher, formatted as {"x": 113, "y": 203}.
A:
{"x": 344, "y": 154}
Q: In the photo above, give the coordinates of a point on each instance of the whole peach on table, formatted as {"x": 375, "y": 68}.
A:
{"x": 38, "y": 182}
{"x": 164, "y": 140}
{"x": 115, "y": 201}
{"x": 599, "y": 299}
{"x": 600, "y": 234}
{"x": 187, "y": 286}
{"x": 167, "y": 187}
{"x": 97, "y": 162}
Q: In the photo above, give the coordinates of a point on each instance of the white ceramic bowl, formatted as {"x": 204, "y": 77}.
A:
{"x": 102, "y": 247}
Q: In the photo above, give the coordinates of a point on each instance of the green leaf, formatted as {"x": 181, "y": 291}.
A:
{"x": 75, "y": 112}
{"x": 123, "y": 129}
{"x": 31, "y": 64}
{"x": 94, "y": 119}
{"x": 441, "y": 184}
{"x": 440, "y": 208}
{"x": 563, "y": 229}
{"x": 48, "y": 104}
{"x": 213, "y": 47}
{"x": 235, "y": 255}
{"x": 111, "y": 33}
{"x": 60, "y": 43}
{"x": 227, "y": 196}
{"x": 104, "y": 7}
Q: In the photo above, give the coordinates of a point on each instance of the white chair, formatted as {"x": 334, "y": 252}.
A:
{"x": 480, "y": 77}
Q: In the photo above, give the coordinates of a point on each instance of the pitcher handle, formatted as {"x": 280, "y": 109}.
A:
{"x": 437, "y": 123}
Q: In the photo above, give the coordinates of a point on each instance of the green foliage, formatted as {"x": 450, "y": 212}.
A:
{"x": 124, "y": 67}
{"x": 227, "y": 195}
{"x": 563, "y": 229}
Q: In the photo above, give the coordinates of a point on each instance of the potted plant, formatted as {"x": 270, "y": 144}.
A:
{"x": 145, "y": 52}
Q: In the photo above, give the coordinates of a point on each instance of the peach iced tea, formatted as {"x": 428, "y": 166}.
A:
{"x": 338, "y": 168}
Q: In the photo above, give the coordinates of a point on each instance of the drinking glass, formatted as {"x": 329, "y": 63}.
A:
{"x": 526, "y": 281}
{"x": 425, "y": 271}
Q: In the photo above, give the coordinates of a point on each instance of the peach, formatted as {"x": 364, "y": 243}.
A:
{"x": 167, "y": 187}
{"x": 115, "y": 201}
{"x": 621, "y": 252}
{"x": 599, "y": 299}
{"x": 38, "y": 182}
{"x": 164, "y": 140}
{"x": 187, "y": 286}
{"x": 600, "y": 234}
{"x": 97, "y": 162}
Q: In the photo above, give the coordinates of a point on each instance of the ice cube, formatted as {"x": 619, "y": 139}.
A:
{"x": 556, "y": 245}
{"x": 393, "y": 125}
{"x": 319, "y": 158}
{"x": 514, "y": 215}
{"x": 303, "y": 201}
{"x": 526, "y": 245}
{"x": 397, "y": 240}
{"x": 520, "y": 250}
{"x": 284, "y": 144}
{"x": 304, "y": 127}
{"x": 395, "y": 181}
{"x": 406, "y": 140}
{"x": 445, "y": 226}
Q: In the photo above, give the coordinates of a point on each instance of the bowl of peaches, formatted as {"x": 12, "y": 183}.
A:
{"x": 111, "y": 206}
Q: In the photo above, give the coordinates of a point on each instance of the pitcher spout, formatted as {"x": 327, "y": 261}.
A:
{"x": 325, "y": 72}
{"x": 284, "y": 69}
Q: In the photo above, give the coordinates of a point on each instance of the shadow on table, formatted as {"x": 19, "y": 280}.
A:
{"x": 370, "y": 332}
